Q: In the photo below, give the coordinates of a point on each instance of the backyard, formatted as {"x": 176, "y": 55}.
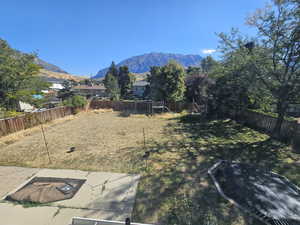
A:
{"x": 174, "y": 187}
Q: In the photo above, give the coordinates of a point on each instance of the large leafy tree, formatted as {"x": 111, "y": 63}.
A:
{"x": 236, "y": 86}
{"x": 18, "y": 77}
{"x": 269, "y": 64}
{"x": 167, "y": 83}
{"x": 278, "y": 27}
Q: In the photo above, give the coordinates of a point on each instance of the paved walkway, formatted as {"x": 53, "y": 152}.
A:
{"x": 107, "y": 196}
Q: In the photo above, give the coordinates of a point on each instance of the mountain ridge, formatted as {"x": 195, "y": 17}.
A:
{"x": 49, "y": 66}
{"x": 142, "y": 63}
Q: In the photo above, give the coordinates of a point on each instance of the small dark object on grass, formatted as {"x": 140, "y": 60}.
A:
{"x": 72, "y": 149}
{"x": 146, "y": 155}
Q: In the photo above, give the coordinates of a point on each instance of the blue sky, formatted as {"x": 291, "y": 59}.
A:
{"x": 83, "y": 36}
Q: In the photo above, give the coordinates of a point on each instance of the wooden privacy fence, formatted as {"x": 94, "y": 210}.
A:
{"x": 11, "y": 125}
{"x": 138, "y": 106}
{"x": 290, "y": 130}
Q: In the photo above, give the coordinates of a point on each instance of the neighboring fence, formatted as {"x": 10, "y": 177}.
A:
{"x": 139, "y": 106}
{"x": 11, "y": 125}
{"x": 290, "y": 130}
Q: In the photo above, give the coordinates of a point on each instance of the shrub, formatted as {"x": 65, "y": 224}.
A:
{"x": 8, "y": 114}
{"x": 75, "y": 101}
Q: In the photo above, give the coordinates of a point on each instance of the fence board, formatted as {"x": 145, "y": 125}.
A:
{"x": 290, "y": 130}
{"x": 11, "y": 125}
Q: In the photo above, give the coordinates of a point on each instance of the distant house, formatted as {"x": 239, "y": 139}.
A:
{"x": 56, "y": 86}
{"x": 25, "y": 107}
{"x": 90, "y": 91}
{"x": 139, "y": 87}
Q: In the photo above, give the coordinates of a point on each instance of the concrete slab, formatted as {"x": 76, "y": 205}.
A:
{"x": 17, "y": 215}
{"x": 105, "y": 191}
{"x": 12, "y": 177}
{"x": 108, "y": 196}
{"x": 79, "y": 174}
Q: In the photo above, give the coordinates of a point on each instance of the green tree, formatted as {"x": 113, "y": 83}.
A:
{"x": 113, "y": 70}
{"x": 208, "y": 64}
{"x": 111, "y": 82}
{"x": 19, "y": 79}
{"x": 75, "y": 101}
{"x": 193, "y": 70}
{"x": 67, "y": 91}
{"x": 167, "y": 83}
{"x": 197, "y": 88}
{"x": 155, "y": 89}
{"x": 112, "y": 86}
{"x": 88, "y": 82}
{"x": 268, "y": 66}
{"x": 270, "y": 63}
{"x": 126, "y": 80}
{"x": 279, "y": 37}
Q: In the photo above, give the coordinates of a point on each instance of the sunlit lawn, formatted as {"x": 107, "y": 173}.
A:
{"x": 176, "y": 189}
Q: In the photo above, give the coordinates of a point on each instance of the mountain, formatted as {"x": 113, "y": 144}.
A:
{"x": 142, "y": 63}
{"x": 53, "y": 73}
{"x": 49, "y": 66}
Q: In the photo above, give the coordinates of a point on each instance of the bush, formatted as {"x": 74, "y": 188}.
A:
{"x": 7, "y": 114}
{"x": 75, "y": 101}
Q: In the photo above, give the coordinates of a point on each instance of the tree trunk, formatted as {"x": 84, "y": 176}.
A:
{"x": 281, "y": 110}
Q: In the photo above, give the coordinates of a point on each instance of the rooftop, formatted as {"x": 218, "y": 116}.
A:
{"x": 86, "y": 87}
{"x": 141, "y": 83}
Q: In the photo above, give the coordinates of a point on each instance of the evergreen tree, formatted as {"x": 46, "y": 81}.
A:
{"x": 125, "y": 81}
{"x": 112, "y": 86}
{"x": 113, "y": 70}
{"x": 155, "y": 89}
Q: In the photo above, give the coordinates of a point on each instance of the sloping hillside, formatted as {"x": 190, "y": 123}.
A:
{"x": 49, "y": 66}
{"x": 60, "y": 76}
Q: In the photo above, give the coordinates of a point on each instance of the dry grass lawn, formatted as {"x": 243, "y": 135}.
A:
{"x": 103, "y": 142}
{"x": 174, "y": 188}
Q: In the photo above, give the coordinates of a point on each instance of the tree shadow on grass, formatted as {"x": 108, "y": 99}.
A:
{"x": 176, "y": 190}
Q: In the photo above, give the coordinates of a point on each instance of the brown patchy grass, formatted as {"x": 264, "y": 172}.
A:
{"x": 174, "y": 188}
{"x": 14, "y": 137}
{"x": 103, "y": 141}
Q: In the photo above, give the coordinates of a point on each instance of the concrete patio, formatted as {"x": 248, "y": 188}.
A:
{"x": 108, "y": 196}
